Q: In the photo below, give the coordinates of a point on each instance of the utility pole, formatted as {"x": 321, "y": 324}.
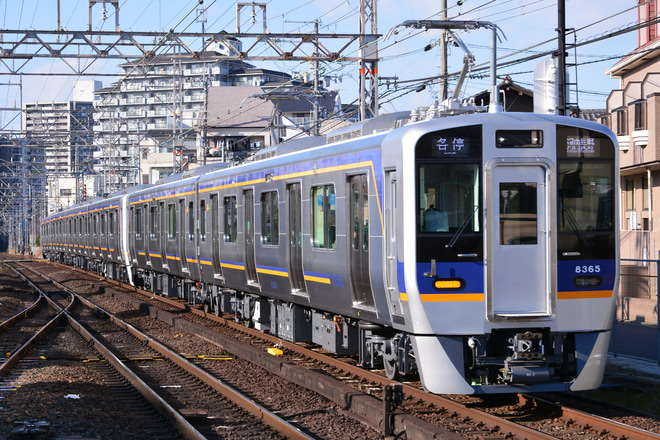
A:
{"x": 177, "y": 104}
{"x": 561, "y": 53}
{"x": 443, "y": 53}
{"x": 316, "y": 81}
{"x": 368, "y": 59}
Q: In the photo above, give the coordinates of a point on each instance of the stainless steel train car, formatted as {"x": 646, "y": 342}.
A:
{"x": 478, "y": 250}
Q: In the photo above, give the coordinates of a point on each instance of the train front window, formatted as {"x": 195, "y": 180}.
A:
{"x": 586, "y": 196}
{"x": 448, "y": 197}
{"x": 585, "y": 179}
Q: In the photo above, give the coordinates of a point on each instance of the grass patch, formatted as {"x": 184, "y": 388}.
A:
{"x": 647, "y": 400}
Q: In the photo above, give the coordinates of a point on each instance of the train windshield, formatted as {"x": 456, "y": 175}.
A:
{"x": 449, "y": 197}
{"x": 586, "y": 196}
{"x": 586, "y": 181}
{"x": 448, "y": 170}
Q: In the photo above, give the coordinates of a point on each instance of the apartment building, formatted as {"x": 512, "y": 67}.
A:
{"x": 154, "y": 108}
{"x": 62, "y": 134}
{"x": 633, "y": 113}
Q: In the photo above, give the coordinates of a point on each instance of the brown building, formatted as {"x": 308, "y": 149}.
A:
{"x": 633, "y": 113}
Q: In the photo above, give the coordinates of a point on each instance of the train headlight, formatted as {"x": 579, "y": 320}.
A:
{"x": 449, "y": 284}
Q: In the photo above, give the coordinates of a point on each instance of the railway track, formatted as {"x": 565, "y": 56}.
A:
{"x": 174, "y": 383}
{"x": 462, "y": 419}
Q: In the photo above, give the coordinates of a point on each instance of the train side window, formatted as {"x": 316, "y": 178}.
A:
{"x": 138, "y": 223}
{"x": 171, "y": 222}
{"x": 202, "y": 220}
{"x": 270, "y": 229}
{"x": 103, "y": 224}
{"x": 95, "y": 225}
{"x": 323, "y": 217}
{"x": 111, "y": 224}
{"x": 191, "y": 221}
{"x": 231, "y": 220}
{"x": 153, "y": 223}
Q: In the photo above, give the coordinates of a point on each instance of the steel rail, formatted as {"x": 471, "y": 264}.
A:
{"x": 595, "y": 422}
{"x": 489, "y": 420}
{"x": 266, "y": 416}
{"x": 176, "y": 419}
{"x": 22, "y": 350}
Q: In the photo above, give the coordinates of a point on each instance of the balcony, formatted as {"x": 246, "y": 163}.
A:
{"x": 640, "y": 138}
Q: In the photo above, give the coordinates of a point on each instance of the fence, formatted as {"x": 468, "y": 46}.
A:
{"x": 636, "y": 331}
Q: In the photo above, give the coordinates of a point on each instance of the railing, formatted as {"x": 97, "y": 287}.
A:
{"x": 636, "y": 331}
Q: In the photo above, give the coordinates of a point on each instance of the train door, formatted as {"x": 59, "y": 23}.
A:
{"x": 359, "y": 242}
{"x": 215, "y": 235}
{"x": 519, "y": 262}
{"x": 135, "y": 231}
{"x": 163, "y": 233}
{"x": 250, "y": 262}
{"x": 390, "y": 243}
{"x": 296, "y": 276}
{"x": 153, "y": 231}
{"x": 185, "y": 231}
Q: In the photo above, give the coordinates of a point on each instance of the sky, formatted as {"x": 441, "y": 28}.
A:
{"x": 527, "y": 27}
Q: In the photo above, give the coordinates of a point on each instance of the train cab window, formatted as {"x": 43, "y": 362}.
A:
{"x": 202, "y": 220}
{"x": 585, "y": 177}
{"x": 171, "y": 222}
{"x": 191, "y": 221}
{"x": 323, "y": 217}
{"x": 270, "y": 229}
{"x": 153, "y": 223}
{"x": 448, "y": 182}
{"x": 586, "y": 196}
{"x": 449, "y": 197}
{"x": 231, "y": 219}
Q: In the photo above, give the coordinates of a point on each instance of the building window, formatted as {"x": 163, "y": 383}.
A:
{"x": 323, "y": 217}
{"x": 630, "y": 194}
{"x": 640, "y": 115}
{"x": 645, "y": 193}
{"x": 622, "y": 122}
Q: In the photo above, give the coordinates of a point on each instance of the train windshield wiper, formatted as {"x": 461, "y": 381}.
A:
{"x": 575, "y": 226}
{"x": 458, "y": 233}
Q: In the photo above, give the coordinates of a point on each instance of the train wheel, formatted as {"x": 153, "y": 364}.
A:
{"x": 390, "y": 361}
{"x": 391, "y": 369}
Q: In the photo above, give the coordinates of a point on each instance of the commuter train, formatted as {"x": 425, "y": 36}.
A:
{"x": 479, "y": 250}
